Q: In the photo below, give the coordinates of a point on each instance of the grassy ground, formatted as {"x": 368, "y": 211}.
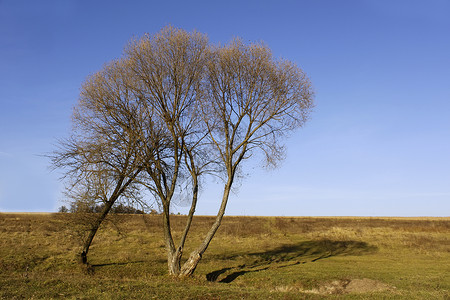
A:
{"x": 250, "y": 258}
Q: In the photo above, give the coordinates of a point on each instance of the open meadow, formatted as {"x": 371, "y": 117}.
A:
{"x": 250, "y": 258}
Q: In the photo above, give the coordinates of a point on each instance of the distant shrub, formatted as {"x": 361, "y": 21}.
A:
{"x": 63, "y": 209}
{"x": 125, "y": 209}
{"x": 83, "y": 207}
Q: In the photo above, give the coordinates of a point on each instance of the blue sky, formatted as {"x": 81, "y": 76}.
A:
{"x": 378, "y": 142}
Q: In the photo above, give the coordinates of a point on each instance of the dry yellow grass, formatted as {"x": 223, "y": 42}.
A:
{"x": 251, "y": 257}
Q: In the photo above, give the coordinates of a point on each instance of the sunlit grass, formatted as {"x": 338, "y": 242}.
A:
{"x": 251, "y": 257}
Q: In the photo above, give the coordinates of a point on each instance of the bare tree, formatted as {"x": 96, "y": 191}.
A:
{"x": 253, "y": 101}
{"x": 173, "y": 109}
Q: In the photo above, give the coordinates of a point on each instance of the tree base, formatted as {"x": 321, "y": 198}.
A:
{"x": 190, "y": 265}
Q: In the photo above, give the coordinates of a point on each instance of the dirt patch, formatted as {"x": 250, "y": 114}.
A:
{"x": 366, "y": 285}
{"x": 347, "y": 286}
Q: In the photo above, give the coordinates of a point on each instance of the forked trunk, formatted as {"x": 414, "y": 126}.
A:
{"x": 174, "y": 257}
{"x": 191, "y": 264}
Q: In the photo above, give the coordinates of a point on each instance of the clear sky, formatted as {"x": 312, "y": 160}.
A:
{"x": 378, "y": 143}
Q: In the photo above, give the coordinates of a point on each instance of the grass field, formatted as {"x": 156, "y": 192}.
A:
{"x": 250, "y": 258}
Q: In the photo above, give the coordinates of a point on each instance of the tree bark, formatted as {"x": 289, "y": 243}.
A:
{"x": 174, "y": 262}
{"x": 191, "y": 264}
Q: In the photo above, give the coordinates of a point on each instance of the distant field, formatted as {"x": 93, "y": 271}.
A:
{"x": 250, "y": 258}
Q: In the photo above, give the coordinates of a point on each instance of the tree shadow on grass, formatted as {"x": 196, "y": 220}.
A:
{"x": 290, "y": 255}
{"x": 90, "y": 269}
{"x": 117, "y": 264}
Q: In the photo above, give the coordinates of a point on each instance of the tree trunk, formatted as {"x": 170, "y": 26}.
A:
{"x": 108, "y": 204}
{"x": 174, "y": 262}
{"x": 93, "y": 231}
{"x": 191, "y": 264}
{"x": 173, "y": 255}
